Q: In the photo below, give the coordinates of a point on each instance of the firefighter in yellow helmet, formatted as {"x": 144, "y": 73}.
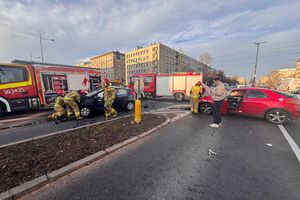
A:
{"x": 70, "y": 101}
{"x": 196, "y": 92}
{"x": 59, "y": 106}
{"x": 109, "y": 97}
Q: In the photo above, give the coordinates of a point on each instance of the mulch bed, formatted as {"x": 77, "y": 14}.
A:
{"x": 26, "y": 161}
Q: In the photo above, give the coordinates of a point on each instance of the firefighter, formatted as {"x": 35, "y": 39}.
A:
{"x": 59, "y": 106}
{"x": 70, "y": 101}
{"x": 196, "y": 92}
{"x": 109, "y": 97}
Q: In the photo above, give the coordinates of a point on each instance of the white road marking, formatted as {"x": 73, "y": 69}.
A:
{"x": 151, "y": 101}
{"x": 168, "y": 103}
{"x": 291, "y": 142}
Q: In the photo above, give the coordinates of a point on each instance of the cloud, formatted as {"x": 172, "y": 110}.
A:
{"x": 82, "y": 29}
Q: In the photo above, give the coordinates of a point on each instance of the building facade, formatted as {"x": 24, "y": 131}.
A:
{"x": 287, "y": 73}
{"x": 263, "y": 81}
{"x": 158, "y": 58}
{"x": 84, "y": 64}
{"x": 112, "y": 65}
{"x": 242, "y": 80}
{"x": 297, "y": 75}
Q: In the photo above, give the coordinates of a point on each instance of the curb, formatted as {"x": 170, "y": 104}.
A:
{"x": 37, "y": 183}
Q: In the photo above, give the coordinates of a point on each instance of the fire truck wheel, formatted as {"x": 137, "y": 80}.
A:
{"x": 85, "y": 111}
{"x": 179, "y": 96}
{"x": 2, "y": 110}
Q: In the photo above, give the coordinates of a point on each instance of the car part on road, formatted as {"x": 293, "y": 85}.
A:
{"x": 277, "y": 116}
{"x": 85, "y": 111}
{"x": 211, "y": 152}
{"x": 206, "y": 108}
{"x": 179, "y": 96}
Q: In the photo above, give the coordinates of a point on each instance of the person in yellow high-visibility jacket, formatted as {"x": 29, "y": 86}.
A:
{"x": 195, "y": 93}
{"x": 59, "y": 106}
{"x": 70, "y": 101}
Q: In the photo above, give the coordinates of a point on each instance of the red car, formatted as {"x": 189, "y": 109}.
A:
{"x": 276, "y": 107}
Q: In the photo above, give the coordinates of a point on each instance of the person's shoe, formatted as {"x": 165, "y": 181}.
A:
{"x": 107, "y": 118}
{"x": 115, "y": 115}
{"x": 79, "y": 118}
{"x": 214, "y": 125}
{"x": 72, "y": 117}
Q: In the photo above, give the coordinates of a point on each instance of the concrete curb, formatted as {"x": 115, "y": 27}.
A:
{"x": 35, "y": 184}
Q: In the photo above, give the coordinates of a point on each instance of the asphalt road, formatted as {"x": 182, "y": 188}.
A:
{"x": 45, "y": 127}
{"x": 173, "y": 163}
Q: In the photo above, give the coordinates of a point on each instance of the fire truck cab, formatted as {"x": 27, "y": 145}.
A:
{"x": 28, "y": 85}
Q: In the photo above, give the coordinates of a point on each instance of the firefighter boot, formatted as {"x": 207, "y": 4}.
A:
{"x": 79, "y": 118}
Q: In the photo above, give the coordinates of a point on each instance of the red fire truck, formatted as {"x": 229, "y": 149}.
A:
{"x": 177, "y": 85}
{"x": 30, "y": 85}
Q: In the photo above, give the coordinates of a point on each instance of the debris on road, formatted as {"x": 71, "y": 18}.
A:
{"x": 211, "y": 152}
{"x": 268, "y": 144}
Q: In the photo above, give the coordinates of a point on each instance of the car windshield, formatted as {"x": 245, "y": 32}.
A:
{"x": 285, "y": 95}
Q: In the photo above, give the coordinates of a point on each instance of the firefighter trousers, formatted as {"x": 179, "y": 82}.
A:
{"x": 72, "y": 106}
{"x": 109, "y": 110}
{"x": 194, "y": 105}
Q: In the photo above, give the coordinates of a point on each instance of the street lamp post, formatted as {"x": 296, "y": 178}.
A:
{"x": 255, "y": 67}
{"x": 42, "y": 45}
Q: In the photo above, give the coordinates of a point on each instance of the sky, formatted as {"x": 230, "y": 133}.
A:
{"x": 226, "y": 29}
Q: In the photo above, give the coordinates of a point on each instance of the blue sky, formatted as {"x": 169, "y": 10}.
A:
{"x": 224, "y": 28}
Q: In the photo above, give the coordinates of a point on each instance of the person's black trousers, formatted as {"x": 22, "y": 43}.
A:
{"x": 217, "y": 111}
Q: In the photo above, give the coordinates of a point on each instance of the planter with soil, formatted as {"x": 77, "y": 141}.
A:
{"x": 24, "y": 162}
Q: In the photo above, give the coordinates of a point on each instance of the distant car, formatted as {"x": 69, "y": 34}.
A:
{"x": 276, "y": 107}
{"x": 94, "y": 101}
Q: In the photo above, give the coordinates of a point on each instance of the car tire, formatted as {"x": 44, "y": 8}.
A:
{"x": 277, "y": 116}
{"x": 130, "y": 106}
{"x": 179, "y": 96}
{"x": 206, "y": 108}
{"x": 85, "y": 111}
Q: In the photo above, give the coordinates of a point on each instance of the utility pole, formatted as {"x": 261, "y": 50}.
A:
{"x": 255, "y": 67}
{"x": 42, "y": 55}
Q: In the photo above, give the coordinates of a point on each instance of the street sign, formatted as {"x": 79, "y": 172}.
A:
{"x": 139, "y": 87}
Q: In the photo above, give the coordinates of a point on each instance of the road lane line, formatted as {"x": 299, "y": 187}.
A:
{"x": 291, "y": 142}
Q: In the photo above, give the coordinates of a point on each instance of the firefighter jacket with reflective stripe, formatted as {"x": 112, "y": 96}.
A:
{"x": 109, "y": 93}
{"x": 196, "y": 91}
{"x": 59, "y": 102}
{"x": 73, "y": 96}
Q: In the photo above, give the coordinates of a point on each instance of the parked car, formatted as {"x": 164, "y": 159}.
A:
{"x": 94, "y": 101}
{"x": 276, "y": 107}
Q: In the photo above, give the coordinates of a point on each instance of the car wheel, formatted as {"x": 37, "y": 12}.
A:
{"x": 179, "y": 96}
{"x": 277, "y": 116}
{"x": 130, "y": 106}
{"x": 206, "y": 108}
{"x": 85, "y": 111}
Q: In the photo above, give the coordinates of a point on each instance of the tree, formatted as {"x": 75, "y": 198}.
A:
{"x": 274, "y": 79}
{"x": 206, "y": 58}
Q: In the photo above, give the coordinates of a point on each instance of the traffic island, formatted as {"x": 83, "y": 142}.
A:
{"x": 27, "y": 166}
